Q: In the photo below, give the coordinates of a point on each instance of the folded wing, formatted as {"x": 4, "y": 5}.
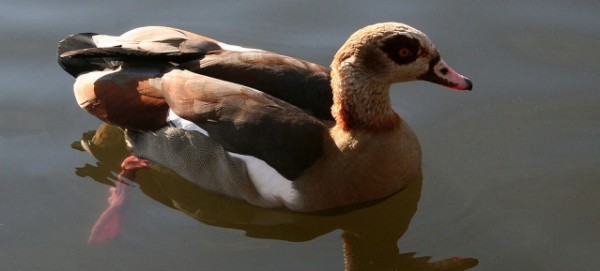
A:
{"x": 245, "y": 120}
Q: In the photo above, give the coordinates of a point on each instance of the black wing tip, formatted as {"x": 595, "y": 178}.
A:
{"x": 125, "y": 54}
{"x": 78, "y": 53}
{"x": 78, "y": 42}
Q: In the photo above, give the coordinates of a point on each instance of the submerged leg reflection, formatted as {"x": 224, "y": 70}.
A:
{"x": 109, "y": 224}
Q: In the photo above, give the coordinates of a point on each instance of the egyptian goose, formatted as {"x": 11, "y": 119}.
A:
{"x": 272, "y": 130}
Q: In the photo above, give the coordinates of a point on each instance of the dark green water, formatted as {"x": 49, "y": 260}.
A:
{"x": 511, "y": 170}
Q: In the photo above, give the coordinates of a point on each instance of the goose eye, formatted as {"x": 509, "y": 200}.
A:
{"x": 400, "y": 48}
{"x": 404, "y": 52}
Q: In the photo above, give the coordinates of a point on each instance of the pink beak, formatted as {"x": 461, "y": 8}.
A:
{"x": 440, "y": 73}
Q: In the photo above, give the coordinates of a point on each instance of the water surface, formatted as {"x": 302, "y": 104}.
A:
{"x": 511, "y": 170}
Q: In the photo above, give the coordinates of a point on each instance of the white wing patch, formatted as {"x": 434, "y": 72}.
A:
{"x": 105, "y": 41}
{"x": 236, "y": 48}
{"x": 180, "y": 122}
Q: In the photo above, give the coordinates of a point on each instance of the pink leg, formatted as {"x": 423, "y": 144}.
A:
{"x": 133, "y": 163}
{"x": 109, "y": 223}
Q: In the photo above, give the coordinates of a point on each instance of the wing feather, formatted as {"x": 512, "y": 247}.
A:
{"x": 246, "y": 121}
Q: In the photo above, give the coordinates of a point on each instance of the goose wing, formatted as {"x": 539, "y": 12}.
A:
{"x": 245, "y": 120}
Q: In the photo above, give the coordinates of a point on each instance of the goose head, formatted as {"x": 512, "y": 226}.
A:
{"x": 372, "y": 59}
{"x": 396, "y": 52}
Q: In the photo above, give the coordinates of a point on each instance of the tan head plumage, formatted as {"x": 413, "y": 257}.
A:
{"x": 372, "y": 59}
{"x": 378, "y": 49}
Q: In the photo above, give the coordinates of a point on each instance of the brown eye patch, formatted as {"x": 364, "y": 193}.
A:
{"x": 402, "y": 49}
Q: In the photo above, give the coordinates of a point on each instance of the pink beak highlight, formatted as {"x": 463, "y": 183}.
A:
{"x": 441, "y": 73}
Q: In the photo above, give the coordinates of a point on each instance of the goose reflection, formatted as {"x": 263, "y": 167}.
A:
{"x": 370, "y": 232}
